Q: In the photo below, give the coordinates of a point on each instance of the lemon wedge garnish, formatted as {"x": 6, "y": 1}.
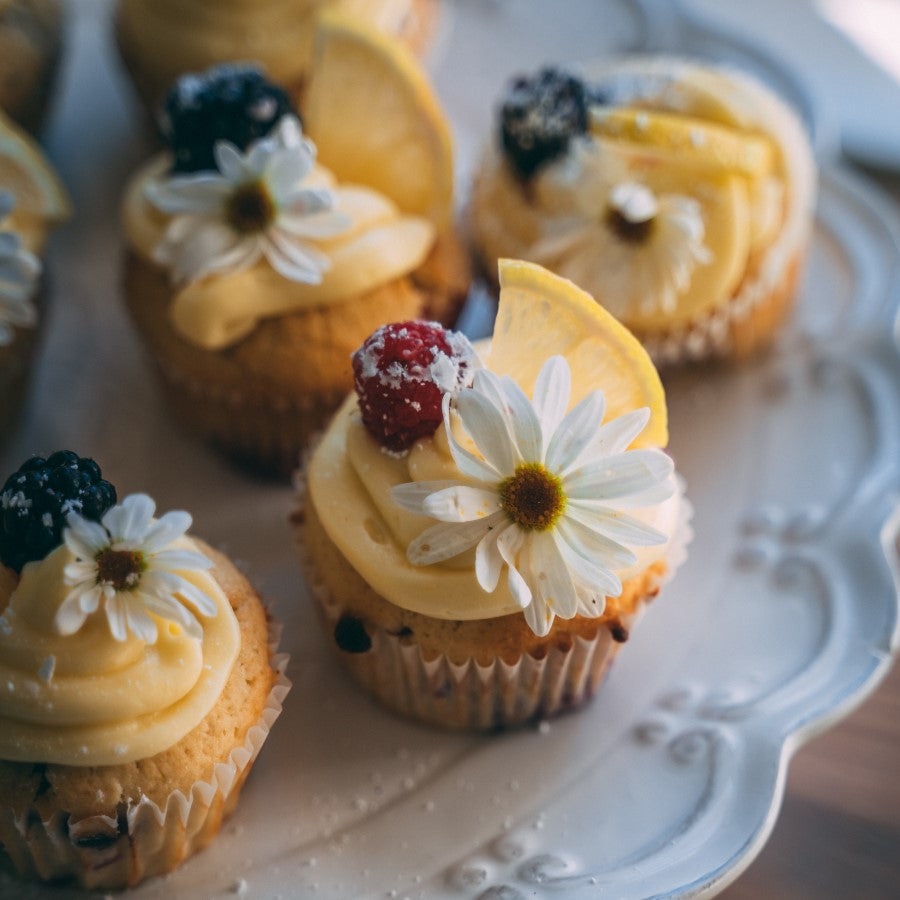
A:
{"x": 376, "y": 120}
{"x": 24, "y": 172}
{"x": 717, "y": 149}
{"x": 541, "y": 314}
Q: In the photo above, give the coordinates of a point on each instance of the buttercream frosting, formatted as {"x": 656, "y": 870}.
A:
{"x": 379, "y": 245}
{"x": 350, "y": 482}
{"x": 767, "y": 217}
{"x": 89, "y": 699}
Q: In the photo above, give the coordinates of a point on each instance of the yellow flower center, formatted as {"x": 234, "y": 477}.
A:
{"x": 250, "y": 208}
{"x": 120, "y": 568}
{"x": 532, "y": 497}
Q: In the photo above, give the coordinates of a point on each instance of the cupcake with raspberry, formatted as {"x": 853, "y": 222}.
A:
{"x": 139, "y": 680}
{"x": 679, "y": 195}
{"x": 253, "y": 271}
{"x": 480, "y": 535}
{"x": 161, "y": 40}
{"x": 32, "y": 202}
{"x": 30, "y": 48}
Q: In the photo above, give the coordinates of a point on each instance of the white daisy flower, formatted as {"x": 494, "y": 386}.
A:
{"x": 613, "y": 231}
{"x": 254, "y": 205}
{"x": 543, "y": 496}
{"x": 19, "y": 273}
{"x": 128, "y": 563}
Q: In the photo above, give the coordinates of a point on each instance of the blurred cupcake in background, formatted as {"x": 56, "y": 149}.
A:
{"x": 680, "y": 195}
{"x": 160, "y": 40}
{"x": 259, "y": 260}
{"x": 32, "y": 202}
{"x": 31, "y": 38}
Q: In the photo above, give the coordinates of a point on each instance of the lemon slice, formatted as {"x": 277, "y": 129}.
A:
{"x": 541, "y": 314}
{"x": 376, "y": 120}
{"x": 716, "y": 148}
{"x": 28, "y": 176}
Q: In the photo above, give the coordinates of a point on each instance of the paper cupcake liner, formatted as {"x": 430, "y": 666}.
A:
{"x": 102, "y": 852}
{"x": 500, "y": 694}
{"x": 738, "y": 328}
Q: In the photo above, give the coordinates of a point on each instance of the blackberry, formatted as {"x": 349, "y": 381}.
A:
{"x": 234, "y": 103}
{"x": 37, "y": 498}
{"x": 540, "y": 115}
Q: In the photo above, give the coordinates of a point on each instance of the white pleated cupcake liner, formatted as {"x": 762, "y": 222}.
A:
{"x": 145, "y": 839}
{"x": 501, "y": 694}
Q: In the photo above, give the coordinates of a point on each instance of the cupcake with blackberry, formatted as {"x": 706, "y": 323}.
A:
{"x": 32, "y": 202}
{"x": 256, "y": 264}
{"x": 30, "y": 48}
{"x": 481, "y": 535}
{"x": 138, "y": 676}
{"x": 160, "y": 40}
{"x": 679, "y": 195}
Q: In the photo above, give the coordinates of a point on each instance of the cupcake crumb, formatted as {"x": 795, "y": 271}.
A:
{"x": 544, "y": 727}
{"x": 239, "y": 887}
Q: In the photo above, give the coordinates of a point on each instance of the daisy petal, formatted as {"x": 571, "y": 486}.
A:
{"x": 128, "y": 522}
{"x": 412, "y": 495}
{"x": 620, "y": 475}
{"x": 165, "y": 530}
{"x": 613, "y": 437}
{"x": 550, "y": 577}
{"x": 550, "y": 397}
{"x": 184, "y": 560}
{"x": 230, "y": 162}
{"x": 70, "y": 616}
{"x": 488, "y": 561}
{"x": 83, "y": 537}
{"x": 575, "y": 432}
{"x": 585, "y": 567}
{"x": 511, "y": 545}
{"x": 138, "y": 622}
{"x": 620, "y": 526}
{"x": 485, "y": 424}
{"x": 445, "y": 541}
{"x": 591, "y": 603}
{"x": 461, "y": 504}
{"x": 526, "y": 427}
{"x": 115, "y": 615}
{"x": 467, "y": 463}
{"x": 592, "y": 545}
{"x": 318, "y": 226}
{"x": 173, "y": 611}
{"x": 194, "y": 194}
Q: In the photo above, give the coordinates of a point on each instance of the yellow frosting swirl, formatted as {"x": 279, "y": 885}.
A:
{"x": 380, "y": 245}
{"x": 350, "y": 481}
{"x": 87, "y": 699}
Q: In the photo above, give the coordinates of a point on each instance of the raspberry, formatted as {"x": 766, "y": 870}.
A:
{"x": 234, "y": 103}
{"x": 540, "y": 115}
{"x": 401, "y": 373}
{"x": 37, "y": 498}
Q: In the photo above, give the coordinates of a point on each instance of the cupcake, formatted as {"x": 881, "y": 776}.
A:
{"x": 138, "y": 680}
{"x": 160, "y": 40}
{"x": 30, "y": 48}
{"x": 253, "y": 271}
{"x": 679, "y": 195}
{"x": 464, "y": 530}
{"x": 32, "y": 201}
